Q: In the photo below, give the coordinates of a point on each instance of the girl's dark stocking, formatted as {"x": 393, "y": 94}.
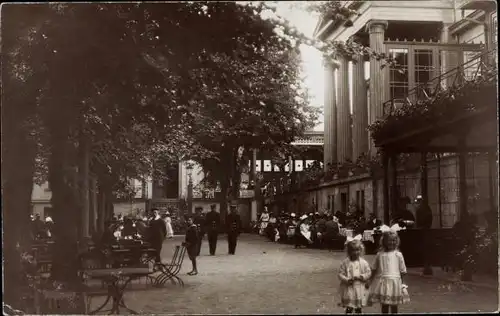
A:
{"x": 392, "y": 308}
{"x": 193, "y": 261}
{"x": 385, "y": 309}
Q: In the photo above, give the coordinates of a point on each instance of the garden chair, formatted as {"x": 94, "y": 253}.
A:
{"x": 171, "y": 270}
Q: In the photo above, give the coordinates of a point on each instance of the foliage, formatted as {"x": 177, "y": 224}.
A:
{"x": 335, "y": 11}
{"x": 482, "y": 253}
{"x": 442, "y": 106}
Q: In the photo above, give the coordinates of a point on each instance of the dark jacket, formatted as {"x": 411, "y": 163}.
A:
{"x": 332, "y": 228}
{"x": 212, "y": 222}
{"x": 424, "y": 216}
{"x": 199, "y": 221}
{"x": 233, "y": 223}
{"x": 157, "y": 230}
{"x": 191, "y": 236}
{"x": 372, "y": 223}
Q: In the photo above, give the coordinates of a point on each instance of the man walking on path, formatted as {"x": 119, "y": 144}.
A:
{"x": 233, "y": 223}
{"x": 199, "y": 221}
{"x": 157, "y": 234}
{"x": 212, "y": 225}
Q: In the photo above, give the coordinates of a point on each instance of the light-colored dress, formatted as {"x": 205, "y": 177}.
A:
{"x": 354, "y": 295}
{"x": 170, "y": 230}
{"x": 387, "y": 287}
{"x": 304, "y": 230}
{"x": 264, "y": 220}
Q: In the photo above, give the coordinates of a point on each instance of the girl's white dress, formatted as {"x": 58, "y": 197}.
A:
{"x": 387, "y": 287}
{"x": 354, "y": 295}
{"x": 304, "y": 230}
{"x": 264, "y": 219}
{"x": 170, "y": 230}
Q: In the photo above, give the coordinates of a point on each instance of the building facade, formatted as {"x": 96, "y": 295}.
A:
{"x": 428, "y": 39}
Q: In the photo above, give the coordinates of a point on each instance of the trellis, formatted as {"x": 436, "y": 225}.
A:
{"x": 456, "y": 136}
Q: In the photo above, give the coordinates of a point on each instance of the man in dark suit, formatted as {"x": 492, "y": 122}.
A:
{"x": 199, "y": 221}
{"x": 212, "y": 226}
{"x": 373, "y": 222}
{"x": 157, "y": 233}
{"x": 191, "y": 244}
{"x": 233, "y": 223}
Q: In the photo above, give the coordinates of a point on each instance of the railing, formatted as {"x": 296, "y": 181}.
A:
{"x": 469, "y": 71}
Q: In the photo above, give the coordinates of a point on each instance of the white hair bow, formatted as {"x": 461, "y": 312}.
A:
{"x": 349, "y": 238}
{"x": 393, "y": 228}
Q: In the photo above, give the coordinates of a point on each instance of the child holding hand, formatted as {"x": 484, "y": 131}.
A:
{"x": 354, "y": 273}
{"x": 388, "y": 270}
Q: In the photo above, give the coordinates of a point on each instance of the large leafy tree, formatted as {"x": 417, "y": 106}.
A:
{"x": 141, "y": 81}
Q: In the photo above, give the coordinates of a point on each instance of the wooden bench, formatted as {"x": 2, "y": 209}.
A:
{"x": 170, "y": 271}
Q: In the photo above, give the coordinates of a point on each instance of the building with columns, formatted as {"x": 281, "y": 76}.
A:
{"x": 428, "y": 39}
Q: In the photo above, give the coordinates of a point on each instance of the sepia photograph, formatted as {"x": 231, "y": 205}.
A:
{"x": 249, "y": 157}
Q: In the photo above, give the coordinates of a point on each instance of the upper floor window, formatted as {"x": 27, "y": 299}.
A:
{"x": 398, "y": 78}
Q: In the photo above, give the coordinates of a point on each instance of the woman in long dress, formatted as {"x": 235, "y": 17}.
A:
{"x": 264, "y": 220}
{"x": 168, "y": 223}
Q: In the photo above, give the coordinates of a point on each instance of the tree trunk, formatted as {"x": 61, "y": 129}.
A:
{"x": 18, "y": 168}
{"x": 65, "y": 206}
{"x": 84, "y": 186}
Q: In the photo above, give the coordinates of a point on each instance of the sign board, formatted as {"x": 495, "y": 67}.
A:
{"x": 247, "y": 194}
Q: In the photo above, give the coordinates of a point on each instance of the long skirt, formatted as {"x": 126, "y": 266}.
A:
{"x": 170, "y": 230}
{"x": 263, "y": 226}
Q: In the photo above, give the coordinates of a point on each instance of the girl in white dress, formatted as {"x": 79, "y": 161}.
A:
{"x": 388, "y": 270}
{"x": 264, "y": 220}
{"x": 168, "y": 223}
{"x": 353, "y": 274}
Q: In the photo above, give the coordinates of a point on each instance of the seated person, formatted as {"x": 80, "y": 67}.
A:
{"x": 128, "y": 231}
{"x": 108, "y": 236}
{"x": 332, "y": 231}
{"x": 373, "y": 222}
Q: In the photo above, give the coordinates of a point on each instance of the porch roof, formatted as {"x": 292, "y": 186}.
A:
{"x": 454, "y": 112}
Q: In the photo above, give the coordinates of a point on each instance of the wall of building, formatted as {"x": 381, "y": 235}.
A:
{"x": 41, "y": 193}
{"x": 474, "y": 35}
{"x": 410, "y": 186}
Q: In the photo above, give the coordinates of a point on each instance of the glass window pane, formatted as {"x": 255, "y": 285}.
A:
{"x": 298, "y": 165}
{"x": 267, "y": 165}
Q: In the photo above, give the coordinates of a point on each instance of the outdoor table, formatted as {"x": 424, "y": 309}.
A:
{"x": 346, "y": 232}
{"x": 117, "y": 281}
{"x": 368, "y": 236}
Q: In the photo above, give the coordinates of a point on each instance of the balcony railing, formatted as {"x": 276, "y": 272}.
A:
{"x": 476, "y": 67}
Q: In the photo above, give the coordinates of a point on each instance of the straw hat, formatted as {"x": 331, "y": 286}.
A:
{"x": 303, "y": 217}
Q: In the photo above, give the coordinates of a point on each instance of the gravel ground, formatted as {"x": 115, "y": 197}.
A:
{"x": 271, "y": 278}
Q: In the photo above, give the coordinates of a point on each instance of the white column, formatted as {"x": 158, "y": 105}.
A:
{"x": 344, "y": 131}
{"x": 330, "y": 116}
{"x": 378, "y": 76}
{"x": 360, "y": 109}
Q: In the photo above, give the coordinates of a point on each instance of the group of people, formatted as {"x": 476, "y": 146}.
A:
{"x": 154, "y": 228}
{"x": 211, "y": 225}
{"x": 362, "y": 284}
{"x": 321, "y": 230}
{"x": 41, "y": 229}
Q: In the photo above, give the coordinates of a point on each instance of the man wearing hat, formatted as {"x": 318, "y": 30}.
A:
{"x": 233, "y": 223}
{"x": 212, "y": 223}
